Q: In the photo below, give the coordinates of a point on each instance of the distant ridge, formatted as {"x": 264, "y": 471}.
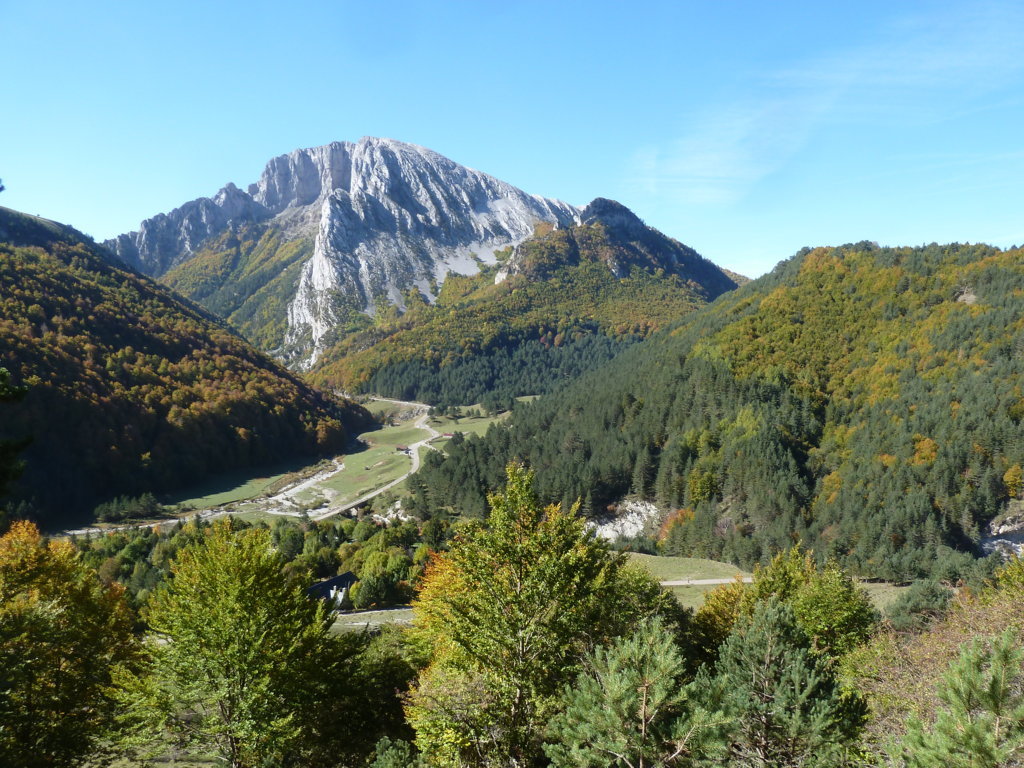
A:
{"x": 866, "y": 401}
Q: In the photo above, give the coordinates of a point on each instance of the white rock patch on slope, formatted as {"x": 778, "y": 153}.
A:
{"x": 633, "y": 518}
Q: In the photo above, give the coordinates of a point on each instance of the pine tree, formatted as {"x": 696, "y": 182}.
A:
{"x": 508, "y": 613}
{"x": 394, "y": 754}
{"x": 632, "y": 708}
{"x": 830, "y": 608}
{"x": 982, "y": 724}
{"x": 789, "y": 708}
{"x": 642, "y": 474}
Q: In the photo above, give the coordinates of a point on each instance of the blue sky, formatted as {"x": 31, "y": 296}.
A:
{"x": 744, "y": 129}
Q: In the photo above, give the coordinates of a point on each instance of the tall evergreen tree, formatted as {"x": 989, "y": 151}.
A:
{"x": 642, "y": 471}
{"x": 788, "y": 705}
{"x": 508, "y": 614}
{"x": 632, "y": 708}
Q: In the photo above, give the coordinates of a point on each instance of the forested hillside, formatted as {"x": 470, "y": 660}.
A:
{"x": 570, "y": 300}
{"x": 130, "y": 389}
{"x": 865, "y": 400}
{"x": 247, "y": 276}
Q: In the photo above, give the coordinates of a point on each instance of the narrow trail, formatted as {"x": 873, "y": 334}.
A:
{"x": 703, "y": 582}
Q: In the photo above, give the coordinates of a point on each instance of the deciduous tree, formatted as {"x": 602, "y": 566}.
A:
{"x": 830, "y": 608}
{"x": 241, "y": 658}
{"x": 62, "y": 633}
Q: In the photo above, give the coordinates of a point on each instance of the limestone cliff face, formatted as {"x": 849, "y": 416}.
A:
{"x": 166, "y": 240}
{"x": 384, "y": 217}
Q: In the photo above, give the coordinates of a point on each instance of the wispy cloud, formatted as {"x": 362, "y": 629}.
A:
{"x": 972, "y": 46}
{"x": 734, "y": 144}
{"x": 728, "y": 149}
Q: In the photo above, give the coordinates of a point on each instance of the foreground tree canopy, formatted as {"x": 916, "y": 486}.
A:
{"x": 534, "y": 645}
{"x": 242, "y": 664}
{"x": 634, "y": 706}
{"x": 508, "y": 614}
{"x": 63, "y": 634}
{"x": 981, "y": 723}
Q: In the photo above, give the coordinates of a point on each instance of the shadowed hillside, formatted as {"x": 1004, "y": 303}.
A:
{"x": 130, "y": 388}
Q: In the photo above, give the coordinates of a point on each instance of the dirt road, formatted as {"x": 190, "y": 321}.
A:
{"x": 422, "y": 413}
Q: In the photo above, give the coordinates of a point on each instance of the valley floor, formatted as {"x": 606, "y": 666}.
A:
{"x": 387, "y": 456}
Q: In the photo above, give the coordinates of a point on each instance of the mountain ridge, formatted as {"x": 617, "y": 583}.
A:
{"x": 370, "y": 265}
{"x": 553, "y": 306}
{"x": 383, "y": 217}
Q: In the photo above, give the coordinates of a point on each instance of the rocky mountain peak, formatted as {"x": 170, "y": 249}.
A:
{"x": 613, "y": 215}
{"x": 384, "y": 216}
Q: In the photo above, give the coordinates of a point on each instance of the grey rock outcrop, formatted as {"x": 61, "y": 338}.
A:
{"x": 166, "y": 240}
{"x": 384, "y": 216}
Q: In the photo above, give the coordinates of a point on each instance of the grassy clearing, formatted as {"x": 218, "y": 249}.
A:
{"x": 691, "y": 597}
{"x": 382, "y": 462}
{"x": 233, "y": 486}
{"x": 380, "y": 408}
{"x": 474, "y": 425}
{"x": 392, "y": 437}
{"x": 371, "y": 468}
{"x": 392, "y": 413}
{"x": 882, "y": 593}
{"x": 468, "y": 425}
{"x": 355, "y": 622}
{"x": 363, "y": 472}
{"x": 679, "y": 568}
{"x": 682, "y": 568}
